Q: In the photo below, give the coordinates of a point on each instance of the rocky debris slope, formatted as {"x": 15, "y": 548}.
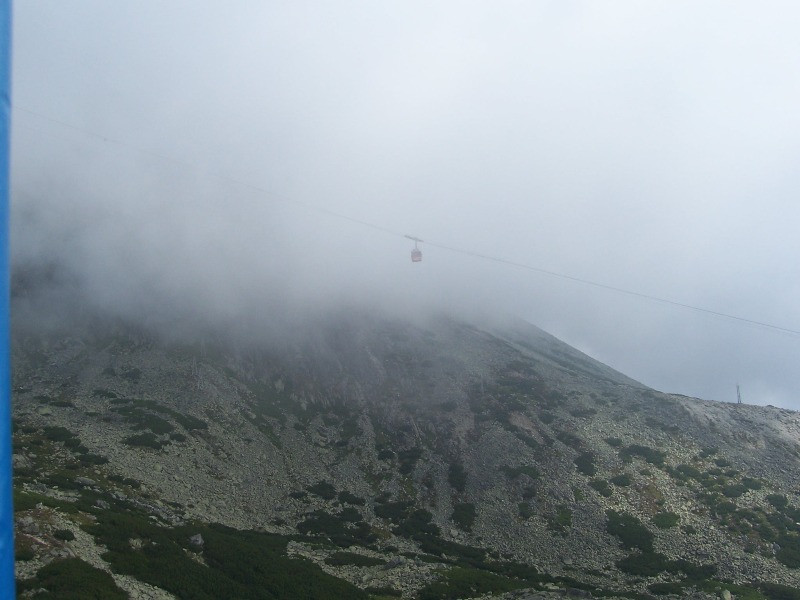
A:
{"x": 433, "y": 461}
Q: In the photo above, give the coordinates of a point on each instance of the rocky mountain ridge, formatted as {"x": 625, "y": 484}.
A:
{"x": 427, "y": 460}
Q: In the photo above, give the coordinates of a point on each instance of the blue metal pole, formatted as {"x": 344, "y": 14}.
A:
{"x": 6, "y": 509}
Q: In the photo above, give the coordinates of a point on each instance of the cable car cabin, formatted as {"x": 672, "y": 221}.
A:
{"x": 416, "y": 255}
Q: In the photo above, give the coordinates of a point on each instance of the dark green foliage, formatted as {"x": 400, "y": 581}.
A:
{"x": 525, "y": 510}
{"x": 622, "y": 480}
{"x": 101, "y": 393}
{"x": 666, "y": 588}
{"x": 777, "y": 591}
{"x": 350, "y": 514}
{"x": 408, "y": 460}
{"x": 779, "y": 501}
{"x": 394, "y": 511}
{"x": 464, "y": 515}
{"x": 439, "y": 547}
{"x": 722, "y": 462}
{"x": 646, "y": 564}
{"x": 418, "y": 523}
{"x": 382, "y": 592}
{"x": 347, "y": 498}
{"x": 73, "y": 579}
{"x": 177, "y": 437}
{"x": 629, "y": 530}
{"x": 688, "y": 471}
{"x": 462, "y": 582}
{"x": 145, "y": 440}
{"x": 708, "y": 451}
{"x": 546, "y": 417}
{"x": 323, "y": 489}
{"x": 654, "y": 457}
{"x": 751, "y": 483}
{"x": 665, "y": 520}
{"x": 602, "y": 487}
{"x": 457, "y": 476}
{"x": 385, "y": 454}
{"x": 338, "y": 559}
{"x": 562, "y": 520}
{"x": 246, "y": 565}
{"x": 338, "y": 530}
{"x": 734, "y": 490}
{"x": 528, "y": 470}
{"x": 570, "y": 439}
{"x": 789, "y": 554}
{"x": 64, "y": 534}
{"x": 59, "y": 434}
{"x": 92, "y": 459}
{"x": 585, "y": 463}
{"x": 189, "y": 422}
{"x": 124, "y": 480}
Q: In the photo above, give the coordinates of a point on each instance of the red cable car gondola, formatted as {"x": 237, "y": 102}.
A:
{"x": 416, "y": 253}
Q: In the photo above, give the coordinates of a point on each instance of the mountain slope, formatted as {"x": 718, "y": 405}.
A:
{"x": 432, "y": 460}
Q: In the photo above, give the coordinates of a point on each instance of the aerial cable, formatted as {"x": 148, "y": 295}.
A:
{"x": 337, "y": 215}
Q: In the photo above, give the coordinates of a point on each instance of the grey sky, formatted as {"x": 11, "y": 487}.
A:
{"x": 651, "y": 146}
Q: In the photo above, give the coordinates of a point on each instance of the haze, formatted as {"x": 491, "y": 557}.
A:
{"x": 179, "y": 159}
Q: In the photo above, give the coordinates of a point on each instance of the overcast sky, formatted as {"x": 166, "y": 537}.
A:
{"x": 183, "y": 154}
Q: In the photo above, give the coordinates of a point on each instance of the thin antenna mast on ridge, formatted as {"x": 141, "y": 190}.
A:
{"x": 738, "y": 395}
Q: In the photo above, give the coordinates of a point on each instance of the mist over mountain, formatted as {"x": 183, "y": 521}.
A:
{"x": 270, "y": 159}
{"x": 376, "y": 456}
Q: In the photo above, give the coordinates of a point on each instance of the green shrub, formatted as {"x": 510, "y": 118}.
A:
{"x": 464, "y": 515}
{"x": 688, "y": 471}
{"x": 63, "y": 579}
{"x": 779, "y": 501}
{"x": 622, "y": 480}
{"x": 585, "y": 463}
{"x": 525, "y": 510}
{"x": 650, "y": 455}
{"x": 564, "y": 517}
{"x": 457, "y": 476}
{"x": 602, "y": 487}
{"x": 323, "y": 489}
{"x": 777, "y": 591}
{"x": 347, "y": 498}
{"x": 528, "y": 470}
{"x": 408, "y": 460}
{"x": 643, "y": 564}
{"x": 145, "y": 440}
{"x": 666, "y": 588}
{"x": 64, "y": 534}
{"x": 734, "y": 490}
{"x": 665, "y": 520}
{"x": 629, "y": 530}
{"x": 461, "y": 582}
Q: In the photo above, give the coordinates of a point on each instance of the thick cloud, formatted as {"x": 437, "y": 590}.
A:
{"x": 649, "y": 146}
